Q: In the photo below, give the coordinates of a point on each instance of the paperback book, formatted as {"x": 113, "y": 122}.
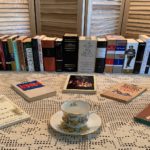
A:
{"x": 33, "y": 90}
{"x": 10, "y": 113}
{"x": 144, "y": 116}
{"x": 80, "y": 84}
{"x": 123, "y": 92}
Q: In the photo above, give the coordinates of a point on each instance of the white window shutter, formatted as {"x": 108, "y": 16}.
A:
{"x": 56, "y": 17}
{"x": 136, "y": 18}
{"x": 15, "y": 17}
{"x": 104, "y": 17}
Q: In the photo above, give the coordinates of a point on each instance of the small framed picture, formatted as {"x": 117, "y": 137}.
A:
{"x": 80, "y": 84}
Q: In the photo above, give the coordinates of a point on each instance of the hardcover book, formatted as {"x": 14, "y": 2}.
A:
{"x": 28, "y": 54}
{"x": 59, "y": 54}
{"x": 6, "y": 54}
{"x": 139, "y": 56}
{"x": 37, "y": 52}
{"x": 48, "y": 48}
{"x": 33, "y": 90}
{"x": 130, "y": 55}
{"x": 10, "y": 41}
{"x": 87, "y": 54}
{"x": 21, "y": 56}
{"x": 110, "y": 53}
{"x": 100, "y": 55}
{"x": 2, "y": 53}
{"x": 144, "y": 116}
{"x": 84, "y": 84}
{"x": 10, "y": 113}
{"x": 70, "y": 52}
{"x": 123, "y": 92}
{"x": 121, "y": 43}
{"x": 145, "y": 67}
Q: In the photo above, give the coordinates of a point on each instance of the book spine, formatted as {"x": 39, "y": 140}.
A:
{"x": 7, "y": 55}
{"x": 16, "y": 56}
{"x": 110, "y": 56}
{"x": 119, "y": 56}
{"x": 70, "y": 53}
{"x": 49, "y": 55}
{"x": 130, "y": 55}
{"x": 100, "y": 57}
{"x": 144, "y": 67}
{"x": 139, "y": 57}
{"x": 35, "y": 54}
{"x": 29, "y": 56}
{"x": 40, "y": 55}
{"x": 59, "y": 56}
{"x": 2, "y": 57}
{"x": 87, "y": 55}
{"x": 21, "y": 56}
{"x": 11, "y": 51}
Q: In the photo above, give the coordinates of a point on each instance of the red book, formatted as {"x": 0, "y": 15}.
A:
{"x": 48, "y": 48}
{"x": 109, "y": 61}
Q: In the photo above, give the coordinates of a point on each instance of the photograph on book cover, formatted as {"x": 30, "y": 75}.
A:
{"x": 80, "y": 84}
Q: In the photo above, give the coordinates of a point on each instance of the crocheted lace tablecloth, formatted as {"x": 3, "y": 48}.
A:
{"x": 119, "y": 131}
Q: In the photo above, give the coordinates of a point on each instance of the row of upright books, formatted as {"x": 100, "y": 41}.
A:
{"x": 111, "y": 54}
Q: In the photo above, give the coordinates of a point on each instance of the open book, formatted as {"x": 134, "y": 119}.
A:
{"x": 10, "y": 113}
{"x": 123, "y": 92}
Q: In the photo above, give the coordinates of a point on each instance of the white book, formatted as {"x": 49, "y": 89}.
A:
{"x": 33, "y": 90}
{"x": 146, "y": 53}
{"x": 87, "y": 54}
{"x": 10, "y": 113}
{"x": 130, "y": 55}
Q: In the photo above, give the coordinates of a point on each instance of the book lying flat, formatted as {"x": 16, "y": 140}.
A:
{"x": 144, "y": 116}
{"x": 10, "y": 113}
{"x": 33, "y": 90}
{"x": 123, "y": 92}
{"x": 84, "y": 84}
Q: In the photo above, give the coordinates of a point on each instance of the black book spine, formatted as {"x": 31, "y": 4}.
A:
{"x": 70, "y": 53}
{"x": 59, "y": 56}
{"x": 139, "y": 57}
{"x": 100, "y": 56}
{"x": 35, "y": 54}
{"x": 7, "y": 55}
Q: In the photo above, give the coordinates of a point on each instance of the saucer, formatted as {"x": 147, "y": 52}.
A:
{"x": 93, "y": 124}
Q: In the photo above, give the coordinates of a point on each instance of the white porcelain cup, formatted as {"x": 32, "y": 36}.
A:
{"x": 76, "y": 113}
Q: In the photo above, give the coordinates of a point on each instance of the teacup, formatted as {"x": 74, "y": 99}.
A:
{"x": 76, "y": 113}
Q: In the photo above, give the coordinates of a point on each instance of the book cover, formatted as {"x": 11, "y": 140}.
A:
{"x": 2, "y": 54}
{"x": 144, "y": 116}
{"x": 33, "y": 90}
{"x": 110, "y": 53}
{"x": 10, "y": 113}
{"x": 121, "y": 44}
{"x": 36, "y": 53}
{"x": 28, "y": 54}
{"x": 70, "y": 52}
{"x": 139, "y": 56}
{"x": 16, "y": 56}
{"x": 49, "y": 58}
{"x": 100, "y": 55}
{"x": 84, "y": 84}
{"x": 87, "y": 54}
{"x": 21, "y": 56}
{"x": 59, "y": 54}
{"x": 130, "y": 55}
{"x": 123, "y": 92}
{"x": 11, "y": 50}
{"x": 6, "y": 54}
{"x": 145, "y": 67}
